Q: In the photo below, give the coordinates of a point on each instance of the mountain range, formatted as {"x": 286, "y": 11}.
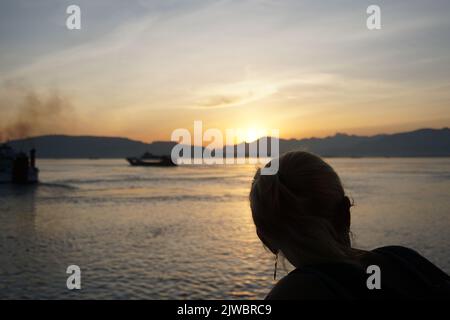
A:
{"x": 418, "y": 143}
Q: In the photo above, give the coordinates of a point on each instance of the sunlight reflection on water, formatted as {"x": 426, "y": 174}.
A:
{"x": 186, "y": 232}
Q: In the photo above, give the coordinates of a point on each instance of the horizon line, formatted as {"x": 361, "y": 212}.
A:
{"x": 156, "y": 141}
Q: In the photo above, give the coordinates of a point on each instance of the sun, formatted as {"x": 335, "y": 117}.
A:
{"x": 250, "y": 134}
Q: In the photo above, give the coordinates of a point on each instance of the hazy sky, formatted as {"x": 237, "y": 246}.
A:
{"x": 144, "y": 68}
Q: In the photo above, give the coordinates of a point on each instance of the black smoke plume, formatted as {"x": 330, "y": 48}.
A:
{"x": 35, "y": 114}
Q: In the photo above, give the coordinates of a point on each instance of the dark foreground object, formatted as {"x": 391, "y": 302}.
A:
{"x": 405, "y": 274}
{"x": 17, "y": 167}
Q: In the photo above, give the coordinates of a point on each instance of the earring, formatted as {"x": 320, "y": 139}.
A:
{"x": 275, "y": 269}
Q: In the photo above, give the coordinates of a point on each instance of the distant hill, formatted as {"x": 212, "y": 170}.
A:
{"x": 62, "y": 146}
{"x": 419, "y": 143}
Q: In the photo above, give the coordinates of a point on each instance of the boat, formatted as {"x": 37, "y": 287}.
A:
{"x": 17, "y": 167}
{"x": 150, "y": 160}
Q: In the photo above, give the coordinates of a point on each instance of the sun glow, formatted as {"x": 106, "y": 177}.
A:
{"x": 251, "y": 134}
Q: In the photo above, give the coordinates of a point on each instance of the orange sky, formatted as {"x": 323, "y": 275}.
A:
{"x": 305, "y": 68}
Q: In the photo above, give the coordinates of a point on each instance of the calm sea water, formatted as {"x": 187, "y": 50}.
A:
{"x": 186, "y": 232}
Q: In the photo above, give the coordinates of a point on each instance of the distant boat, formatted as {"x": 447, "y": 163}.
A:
{"x": 150, "y": 160}
{"x": 17, "y": 167}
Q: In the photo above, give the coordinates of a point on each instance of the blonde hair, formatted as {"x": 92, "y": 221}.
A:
{"x": 302, "y": 209}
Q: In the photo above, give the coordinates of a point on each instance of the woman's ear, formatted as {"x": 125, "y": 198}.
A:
{"x": 346, "y": 219}
{"x": 345, "y": 209}
{"x": 342, "y": 218}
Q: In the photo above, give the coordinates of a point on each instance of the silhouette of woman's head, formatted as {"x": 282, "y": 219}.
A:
{"x": 302, "y": 211}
